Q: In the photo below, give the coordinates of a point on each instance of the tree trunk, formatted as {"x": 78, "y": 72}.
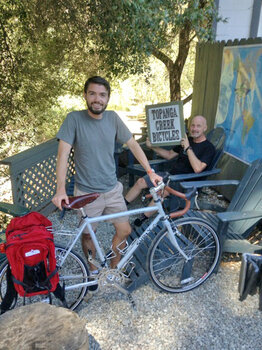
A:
{"x": 176, "y": 70}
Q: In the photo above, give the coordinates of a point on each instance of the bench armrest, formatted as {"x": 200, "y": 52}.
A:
{"x": 199, "y": 184}
{"x": 13, "y": 209}
{"x": 239, "y": 215}
{"x": 182, "y": 177}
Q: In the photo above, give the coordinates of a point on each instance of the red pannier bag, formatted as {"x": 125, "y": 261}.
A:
{"x": 30, "y": 251}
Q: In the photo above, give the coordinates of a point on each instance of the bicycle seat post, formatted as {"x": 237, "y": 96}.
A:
{"x": 83, "y": 213}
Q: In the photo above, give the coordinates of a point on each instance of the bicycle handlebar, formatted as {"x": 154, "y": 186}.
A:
{"x": 186, "y": 196}
{"x": 159, "y": 187}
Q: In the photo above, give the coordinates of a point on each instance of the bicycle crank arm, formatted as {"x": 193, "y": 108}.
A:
{"x": 93, "y": 261}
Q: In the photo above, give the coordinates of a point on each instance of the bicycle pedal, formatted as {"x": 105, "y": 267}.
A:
{"x": 94, "y": 287}
{"x": 125, "y": 273}
{"x": 93, "y": 261}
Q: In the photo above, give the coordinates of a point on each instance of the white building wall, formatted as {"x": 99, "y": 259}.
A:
{"x": 239, "y": 16}
{"x": 259, "y": 34}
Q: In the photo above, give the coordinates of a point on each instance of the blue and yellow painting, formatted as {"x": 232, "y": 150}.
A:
{"x": 240, "y": 101}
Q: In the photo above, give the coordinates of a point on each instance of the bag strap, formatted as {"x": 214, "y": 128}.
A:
{"x": 38, "y": 286}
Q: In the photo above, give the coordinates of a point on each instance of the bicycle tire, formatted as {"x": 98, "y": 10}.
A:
{"x": 77, "y": 268}
{"x": 73, "y": 271}
{"x": 169, "y": 270}
{"x": 3, "y": 283}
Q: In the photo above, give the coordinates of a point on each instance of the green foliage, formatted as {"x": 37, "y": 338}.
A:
{"x": 43, "y": 53}
{"x": 128, "y": 32}
{"x": 49, "y": 47}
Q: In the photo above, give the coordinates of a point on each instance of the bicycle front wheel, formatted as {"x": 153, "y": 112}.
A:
{"x": 74, "y": 271}
{"x": 169, "y": 270}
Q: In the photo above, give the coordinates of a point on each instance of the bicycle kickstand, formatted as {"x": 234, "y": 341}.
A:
{"x": 128, "y": 295}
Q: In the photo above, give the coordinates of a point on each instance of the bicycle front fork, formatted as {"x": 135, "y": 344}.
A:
{"x": 172, "y": 238}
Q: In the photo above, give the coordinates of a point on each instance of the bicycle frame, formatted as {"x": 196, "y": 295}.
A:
{"x": 86, "y": 222}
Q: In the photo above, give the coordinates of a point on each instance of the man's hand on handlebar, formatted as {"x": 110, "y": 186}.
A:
{"x": 160, "y": 186}
{"x": 58, "y": 198}
{"x": 155, "y": 179}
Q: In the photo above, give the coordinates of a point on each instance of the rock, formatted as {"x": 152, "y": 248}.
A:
{"x": 42, "y": 326}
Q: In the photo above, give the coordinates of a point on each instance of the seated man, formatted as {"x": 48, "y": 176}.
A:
{"x": 194, "y": 155}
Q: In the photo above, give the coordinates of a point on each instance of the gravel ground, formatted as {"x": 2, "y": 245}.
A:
{"x": 209, "y": 317}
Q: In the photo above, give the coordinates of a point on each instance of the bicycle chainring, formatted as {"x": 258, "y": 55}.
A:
{"x": 108, "y": 278}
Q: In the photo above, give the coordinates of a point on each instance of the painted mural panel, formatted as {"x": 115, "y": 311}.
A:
{"x": 240, "y": 101}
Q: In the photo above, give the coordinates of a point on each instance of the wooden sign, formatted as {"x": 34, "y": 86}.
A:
{"x": 165, "y": 123}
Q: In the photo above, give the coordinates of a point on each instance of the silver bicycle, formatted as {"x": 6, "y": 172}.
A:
{"x": 181, "y": 257}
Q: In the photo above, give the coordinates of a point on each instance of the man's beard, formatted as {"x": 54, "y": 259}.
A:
{"x": 195, "y": 135}
{"x": 95, "y": 111}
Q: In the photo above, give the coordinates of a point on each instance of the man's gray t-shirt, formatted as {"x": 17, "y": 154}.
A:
{"x": 93, "y": 141}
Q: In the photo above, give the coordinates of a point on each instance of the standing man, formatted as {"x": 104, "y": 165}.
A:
{"x": 194, "y": 155}
{"x": 92, "y": 133}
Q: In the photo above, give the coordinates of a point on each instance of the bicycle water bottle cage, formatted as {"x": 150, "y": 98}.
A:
{"x": 80, "y": 201}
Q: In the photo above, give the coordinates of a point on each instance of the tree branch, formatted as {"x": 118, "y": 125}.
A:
{"x": 187, "y": 99}
{"x": 163, "y": 58}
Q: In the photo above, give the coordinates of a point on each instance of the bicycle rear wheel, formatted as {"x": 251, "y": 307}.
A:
{"x": 73, "y": 271}
{"x": 3, "y": 286}
{"x": 169, "y": 270}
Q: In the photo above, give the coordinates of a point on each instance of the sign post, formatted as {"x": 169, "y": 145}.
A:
{"x": 165, "y": 123}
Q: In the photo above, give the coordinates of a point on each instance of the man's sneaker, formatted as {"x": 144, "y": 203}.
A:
{"x": 94, "y": 287}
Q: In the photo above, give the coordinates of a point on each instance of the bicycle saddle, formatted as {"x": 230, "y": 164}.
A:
{"x": 80, "y": 201}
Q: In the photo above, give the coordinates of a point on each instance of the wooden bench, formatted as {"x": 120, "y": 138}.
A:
{"x": 33, "y": 179}
{"x": 237, "y": 222}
